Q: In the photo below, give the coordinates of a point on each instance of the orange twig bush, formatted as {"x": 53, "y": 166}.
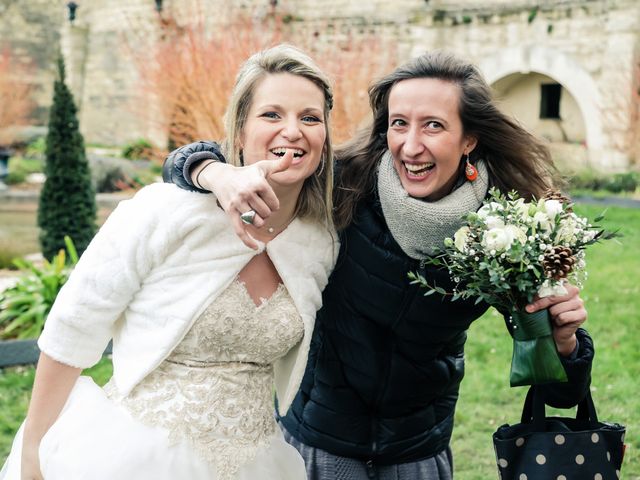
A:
{"x": 15, "y": 97}
{"x": 191, "y": 75}
{"x": 635, "y": 114}
{"x": 353, "y": 65}
{"x": 189, "y": 72}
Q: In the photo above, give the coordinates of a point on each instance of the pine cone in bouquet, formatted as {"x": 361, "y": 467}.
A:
{"x": 558, "y": 262}
{"x": 551, "y": 194}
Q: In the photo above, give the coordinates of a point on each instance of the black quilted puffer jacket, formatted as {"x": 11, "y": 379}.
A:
{"x": 386, "y": 362}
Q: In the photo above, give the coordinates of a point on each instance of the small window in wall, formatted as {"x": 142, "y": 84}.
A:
{"x": 550, "y": 100}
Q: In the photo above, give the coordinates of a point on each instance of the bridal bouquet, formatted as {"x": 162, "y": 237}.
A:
{"x": 505, "y": 254}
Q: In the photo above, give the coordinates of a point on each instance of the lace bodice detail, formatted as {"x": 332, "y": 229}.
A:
{"x": 216, "y": 388}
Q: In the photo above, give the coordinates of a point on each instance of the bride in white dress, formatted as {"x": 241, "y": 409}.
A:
{"x": 203, "y": 326}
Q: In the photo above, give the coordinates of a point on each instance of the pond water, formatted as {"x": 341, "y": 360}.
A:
{"x": 19, "y": 225}
{"x": 18, "y": 229}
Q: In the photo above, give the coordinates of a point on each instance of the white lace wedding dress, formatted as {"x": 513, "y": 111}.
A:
{"x": 205, "y": 413}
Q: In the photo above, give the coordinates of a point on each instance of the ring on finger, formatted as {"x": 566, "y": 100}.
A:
{"x": 248, "y": 217}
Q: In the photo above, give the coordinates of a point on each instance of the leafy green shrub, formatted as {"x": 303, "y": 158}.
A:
{"x": 588, "y": 180}
{"x": 145, "y": 174}
{"x": 105, "y": 168}
{"x": 25, "y": 306}
{"x": 115, "y": 174}
{"x": 617, "y": 183}
{"x": 8, "y": 253}
{"x": 623, "y": 182}
{"x": 111, "y": 180}
{"x": 15, "y": 178}
{"x": 20, "y": 167}
{"x": 6, "y": 260}
{"x": 137, "y": 150}
{"x": 36, "y": 148}
{"x": 155, "y": 169}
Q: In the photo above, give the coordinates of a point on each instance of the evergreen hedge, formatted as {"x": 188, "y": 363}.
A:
{"x": 67, "y": 201}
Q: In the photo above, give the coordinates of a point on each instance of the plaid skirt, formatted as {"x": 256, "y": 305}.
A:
{"x": 322, "y": 465}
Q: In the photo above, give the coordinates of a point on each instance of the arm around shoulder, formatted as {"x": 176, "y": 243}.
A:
{"x": 181, "y": 163}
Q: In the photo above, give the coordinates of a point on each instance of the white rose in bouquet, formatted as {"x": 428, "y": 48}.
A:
{"x": 517, "y": 233}
{"x": 497, "y": 239}
{"x": 460, "y": 238}
{"x": 493, "y": 221}
{"x": 553, "y": 208}
{"x": 489, "y": 208}
{"x": 522, "y": 208}
{"x": 542, "y": 220}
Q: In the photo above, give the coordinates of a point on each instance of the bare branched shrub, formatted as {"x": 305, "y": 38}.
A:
{"x": 635, "y": 115}
{"x": 190, "y": 72}
{"x": 353, "y": 63}
{"x": 190, "y": 69}
{"x": 15, "y": 96}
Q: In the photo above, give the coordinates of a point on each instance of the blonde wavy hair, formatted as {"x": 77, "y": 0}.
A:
{"x": 315, "y": 200}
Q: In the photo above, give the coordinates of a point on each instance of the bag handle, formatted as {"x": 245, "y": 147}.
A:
{"x": 533, "y": 410}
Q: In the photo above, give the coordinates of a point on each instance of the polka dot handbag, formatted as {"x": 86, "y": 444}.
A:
{"x": 558, "y": 448}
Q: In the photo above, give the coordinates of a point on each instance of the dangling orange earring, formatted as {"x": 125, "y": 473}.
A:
{"x": 470, "y": 171}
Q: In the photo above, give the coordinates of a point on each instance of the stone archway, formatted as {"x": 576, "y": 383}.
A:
{"x": 566, "y": 71}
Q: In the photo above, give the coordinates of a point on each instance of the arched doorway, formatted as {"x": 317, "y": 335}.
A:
{"x": 522, "y": 67}
{"x": 545, "y": 107}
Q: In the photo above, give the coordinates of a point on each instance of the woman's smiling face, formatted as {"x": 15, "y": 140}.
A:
{"x": 426, "y": 137}
{"x": 287, "y": 112}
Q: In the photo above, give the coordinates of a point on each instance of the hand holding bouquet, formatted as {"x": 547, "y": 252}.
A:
{"x": 511, "y": 250}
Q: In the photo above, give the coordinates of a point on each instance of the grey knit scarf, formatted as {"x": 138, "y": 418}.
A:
{"x": 418, "y": 226}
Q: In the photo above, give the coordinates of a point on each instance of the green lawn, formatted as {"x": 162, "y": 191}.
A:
{"x": 15, "y": 388}
{"x": 486, "y": 401}
{"x": 612, "y": 296}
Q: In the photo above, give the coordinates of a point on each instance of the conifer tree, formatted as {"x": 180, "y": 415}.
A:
{"x": 67, "y": 201}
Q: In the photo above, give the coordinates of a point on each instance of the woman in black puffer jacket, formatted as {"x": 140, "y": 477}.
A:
{"x": 379, "y": 394}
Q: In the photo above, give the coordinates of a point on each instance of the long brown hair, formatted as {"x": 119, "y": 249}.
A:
{"x": 516, "y": 160}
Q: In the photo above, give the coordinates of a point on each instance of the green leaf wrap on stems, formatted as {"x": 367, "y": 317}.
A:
{"x": 535, "y": 357}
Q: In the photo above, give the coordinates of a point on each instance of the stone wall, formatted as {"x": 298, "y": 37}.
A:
{"x": 590, "y": 47}
{"x": 31, "y": 29}
{"x": 520, "y": 97}
{"x": 99, "y": 47}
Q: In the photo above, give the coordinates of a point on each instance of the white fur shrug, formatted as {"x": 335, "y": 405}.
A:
{"x": 152, "y": 269}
